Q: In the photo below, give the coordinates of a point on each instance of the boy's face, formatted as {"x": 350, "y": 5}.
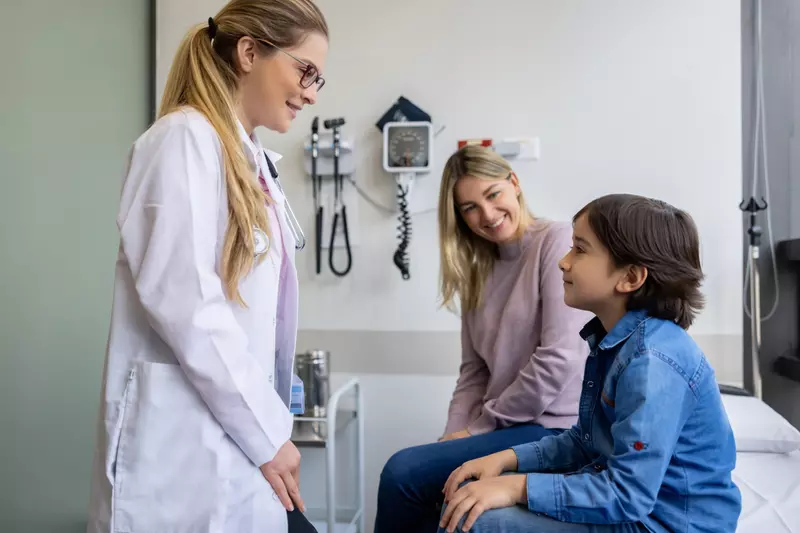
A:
{"x": 591, "y": 281}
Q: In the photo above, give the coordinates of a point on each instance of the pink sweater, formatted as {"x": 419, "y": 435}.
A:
{"x": 522, "y": 354}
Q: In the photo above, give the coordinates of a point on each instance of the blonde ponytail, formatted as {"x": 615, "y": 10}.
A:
{"x": 204, "y": 77}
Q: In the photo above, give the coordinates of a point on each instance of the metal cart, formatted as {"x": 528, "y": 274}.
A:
{"x": 344, "y": 407}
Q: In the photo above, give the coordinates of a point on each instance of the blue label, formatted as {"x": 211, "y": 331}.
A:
{"x": 297, "y": 400}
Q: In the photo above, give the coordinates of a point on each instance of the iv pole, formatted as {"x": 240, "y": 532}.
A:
{"x": 752, "y": 206}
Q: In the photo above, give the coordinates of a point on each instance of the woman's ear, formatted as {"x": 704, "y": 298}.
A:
{"x": 514, "y": 179}
{"x": 246, "y": 50}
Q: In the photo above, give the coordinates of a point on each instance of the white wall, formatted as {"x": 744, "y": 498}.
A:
{"x": 625, "y": 95}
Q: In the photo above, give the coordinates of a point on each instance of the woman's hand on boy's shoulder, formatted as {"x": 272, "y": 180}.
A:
{"x": 483, "y": 495}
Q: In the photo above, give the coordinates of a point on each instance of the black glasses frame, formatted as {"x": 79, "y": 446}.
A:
{"x": 310, "y": 73}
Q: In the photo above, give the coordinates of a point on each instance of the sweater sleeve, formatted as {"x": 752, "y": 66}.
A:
{"x": 560, "y": 356}
{"x": 471, "y": 385}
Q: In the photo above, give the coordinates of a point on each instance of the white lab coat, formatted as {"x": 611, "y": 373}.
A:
{"x": 195, "y": 388}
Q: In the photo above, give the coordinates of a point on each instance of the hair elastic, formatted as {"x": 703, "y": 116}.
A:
{"x": 212, "y": 27}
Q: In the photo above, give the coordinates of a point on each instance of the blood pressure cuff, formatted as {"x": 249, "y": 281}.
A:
{"x": 403, "y": 111}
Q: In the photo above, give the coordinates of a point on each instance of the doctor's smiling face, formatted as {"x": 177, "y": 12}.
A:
{"x": 277, "y": 82}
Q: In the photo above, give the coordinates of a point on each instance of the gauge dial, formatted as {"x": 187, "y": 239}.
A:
{"x": 408, "y": 147}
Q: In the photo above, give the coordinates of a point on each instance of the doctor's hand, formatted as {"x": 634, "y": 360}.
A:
{"x": 283, "y": 473}
{"x": 456, "y": 435}
{"x": 484, "y": 468}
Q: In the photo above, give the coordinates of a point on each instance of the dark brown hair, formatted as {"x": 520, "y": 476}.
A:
{"x": 655, "y": 235}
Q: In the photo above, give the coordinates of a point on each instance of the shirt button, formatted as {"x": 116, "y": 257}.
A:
{"x": 586, "y": 437}
{"x": 590, "y": 384}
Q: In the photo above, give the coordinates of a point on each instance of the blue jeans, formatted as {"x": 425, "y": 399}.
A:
{"x": 410, "y": 492}
{"x": 518, "y": 519}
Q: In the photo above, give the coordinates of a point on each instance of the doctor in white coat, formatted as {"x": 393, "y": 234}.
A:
{"x": 194, "y": 422}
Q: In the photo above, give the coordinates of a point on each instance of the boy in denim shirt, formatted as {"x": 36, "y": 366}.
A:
{"x": 653, "y": 449}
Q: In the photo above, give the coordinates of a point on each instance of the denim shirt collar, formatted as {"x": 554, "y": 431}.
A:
{"x": 594, "y": 333}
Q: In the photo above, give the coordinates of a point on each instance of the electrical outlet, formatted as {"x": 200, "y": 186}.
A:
{"x": 529, "y": 148}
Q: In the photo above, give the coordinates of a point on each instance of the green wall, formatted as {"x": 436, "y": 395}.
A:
{"x": 75, "y": 86}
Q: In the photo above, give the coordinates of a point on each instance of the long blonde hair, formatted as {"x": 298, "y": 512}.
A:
{"x": 466, "y": 258}
{"x": 204, "y": 76}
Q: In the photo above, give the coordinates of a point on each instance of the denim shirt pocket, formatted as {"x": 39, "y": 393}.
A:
{"x": 609, "y": 392}
{"x": 607, "y": 401}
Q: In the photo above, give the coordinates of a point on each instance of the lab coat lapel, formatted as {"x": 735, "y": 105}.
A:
{"x": 287, "y": 312}
{"x": 257, "y": 156}
{"x": 280, "y": 201}
{"x": 286, "y": 327}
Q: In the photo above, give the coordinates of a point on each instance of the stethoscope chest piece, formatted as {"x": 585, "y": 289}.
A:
{"x": 261, "y": 241}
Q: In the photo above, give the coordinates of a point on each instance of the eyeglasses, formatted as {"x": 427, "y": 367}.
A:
{"x": 310, "y": 73}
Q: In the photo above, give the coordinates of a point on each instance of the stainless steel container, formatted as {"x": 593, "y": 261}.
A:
{"x": 313, "y": 367}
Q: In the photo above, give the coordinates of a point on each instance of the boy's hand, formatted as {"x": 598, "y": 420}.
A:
{"x": 481, "y": 496}
{"x": 483, "y": 468}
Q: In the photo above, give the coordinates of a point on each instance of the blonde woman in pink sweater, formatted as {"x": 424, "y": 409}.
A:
{"x": 522, "y": 355}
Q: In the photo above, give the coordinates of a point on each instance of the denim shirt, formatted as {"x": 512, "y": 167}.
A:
{"x": 652, "y": 444}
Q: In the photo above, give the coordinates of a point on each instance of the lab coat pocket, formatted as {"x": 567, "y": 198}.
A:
{"x": 172, "y": 460}
{"x": 117, "y": 420}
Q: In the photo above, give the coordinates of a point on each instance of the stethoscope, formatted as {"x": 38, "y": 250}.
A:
{"x": 339, "y": 209}
{"x": 294, "y": 225}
